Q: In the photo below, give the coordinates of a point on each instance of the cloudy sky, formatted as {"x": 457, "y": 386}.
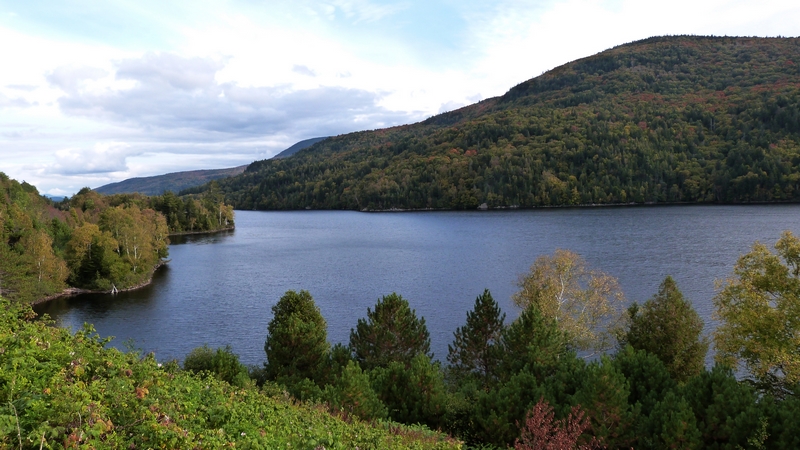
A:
{"x": 93, "y": 92}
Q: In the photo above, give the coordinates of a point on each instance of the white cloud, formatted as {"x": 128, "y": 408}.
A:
{"x": 103, "y": 157}
{"x": 234, "y": 82}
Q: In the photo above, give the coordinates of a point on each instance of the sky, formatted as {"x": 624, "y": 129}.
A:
{"x": 94, "y": 92}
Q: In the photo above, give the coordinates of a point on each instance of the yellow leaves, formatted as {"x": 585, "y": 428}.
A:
{"x": 759, "y": 313}
{"x": 586, "y": 304}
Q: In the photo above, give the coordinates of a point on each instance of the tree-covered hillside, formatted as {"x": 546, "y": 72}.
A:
{"x": 92, "y": 241}
{"x": 669, "y": 119}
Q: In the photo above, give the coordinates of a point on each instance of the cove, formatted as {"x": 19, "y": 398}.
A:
{"x": 219, "y": 289}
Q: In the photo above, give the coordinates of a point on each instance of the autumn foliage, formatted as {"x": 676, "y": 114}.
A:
{"x": 542, "y": 431}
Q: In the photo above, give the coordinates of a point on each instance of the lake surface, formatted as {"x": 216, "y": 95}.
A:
{"x": 219, "y": 289}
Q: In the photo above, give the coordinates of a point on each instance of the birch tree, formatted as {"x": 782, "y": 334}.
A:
{"x": 586, "y": 304}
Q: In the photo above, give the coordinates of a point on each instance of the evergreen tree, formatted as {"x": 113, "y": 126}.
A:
{"x": 390, "y": 333}
{"x": 531, "y": 340}
{"x": 672, "y": 424}
{"x": 352, "y": 393}
{"x": 727, "y": 411}
{"x": 413, "y": 393}
{"x": 475, "y": 346}
{"x": 604, "y": 396}
{"x": 668, "y": 327}
{"x": 647, "y": 377}
{"x": 297, "y": 340}
{"x": 536, "y": 364}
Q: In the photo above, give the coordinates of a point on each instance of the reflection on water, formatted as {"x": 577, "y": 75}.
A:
{"x": 218, "y": 289}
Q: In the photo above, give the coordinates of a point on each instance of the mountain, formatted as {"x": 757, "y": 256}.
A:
{"x": 175, "y": 182}
{"x": 179, "y": 181}
{"x": 662, "y": 120}
{"x": 297, "y": 147}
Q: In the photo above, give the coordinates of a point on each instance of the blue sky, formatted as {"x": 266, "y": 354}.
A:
{"x": 93, "y": 92}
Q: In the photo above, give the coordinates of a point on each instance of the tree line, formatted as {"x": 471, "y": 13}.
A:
{"x": 574, "y": 369}
{"x": 92, "y": 241}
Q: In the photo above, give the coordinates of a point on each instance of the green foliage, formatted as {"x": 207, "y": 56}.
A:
{"x": 30, "y": 265}
{"x": 668, "y": 327}
{"x": 193, "y": 214}
{"x": 536, "y": 364}
{"x": 759, "y": 313}
{"x": 222, "y": 363}
{"x": 89, "y": 241}
{"x": 352, "y": 394}
{"x": 604, "y": 395}
{"x": 474, "y": 350}
{"x": 672, "y": 424}
{"x": 647, "y": 377}
{"x": 413, "y": 393}
{"x": 390, "y": 333}
{"x": 297, "y": 340}
{"x": 61, "y": 390}
{"x": 726, "y": 410}
{"x": 532, "y": 340}
{"x": 663, "y": 120}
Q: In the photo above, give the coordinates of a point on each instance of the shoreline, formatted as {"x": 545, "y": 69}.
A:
{"x": 529, "y": 208}
{"x": 73, "y": 291}
{"x": 189, "y": 233}
{"x": 580, "y": 206}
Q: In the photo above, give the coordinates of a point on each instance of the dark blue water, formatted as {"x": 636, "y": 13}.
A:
{"x": 218, "y": 289}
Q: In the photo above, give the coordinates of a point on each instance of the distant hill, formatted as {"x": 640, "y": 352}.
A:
{"x": 179, "y": 181}
{"x": 297, "y": 147}
{"x": 175, "y": 182}
{"x": 662, "y": 120}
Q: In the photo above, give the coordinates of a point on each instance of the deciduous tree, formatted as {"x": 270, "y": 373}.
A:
{"x": 759, "y": 313}
{"x": 543, "y": 432}
{"x": 586, "y": 303}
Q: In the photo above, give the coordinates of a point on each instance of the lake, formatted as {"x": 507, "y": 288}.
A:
{"x": 219, "y": 289}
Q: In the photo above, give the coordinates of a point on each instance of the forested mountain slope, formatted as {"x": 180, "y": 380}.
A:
{"x": 297, "y": 147}
{"x": 668, "y": 119}
{"x": 174, "y": 182}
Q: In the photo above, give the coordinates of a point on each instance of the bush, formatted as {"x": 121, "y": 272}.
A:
{"x": 222, "y": 362}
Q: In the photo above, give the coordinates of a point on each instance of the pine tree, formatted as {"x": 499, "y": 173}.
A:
{"x": 352, "y": 393}
{"x": 297, "y": 343}
{"x": 475, "y": 346}
{"x": 668, "y": 327}
{"x": 391, "y": 332}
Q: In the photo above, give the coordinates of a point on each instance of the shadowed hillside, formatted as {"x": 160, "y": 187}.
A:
{"x": 175, "y": 182}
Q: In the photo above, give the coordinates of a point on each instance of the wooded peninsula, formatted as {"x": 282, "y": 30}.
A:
{"x": 91, "y": 241}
